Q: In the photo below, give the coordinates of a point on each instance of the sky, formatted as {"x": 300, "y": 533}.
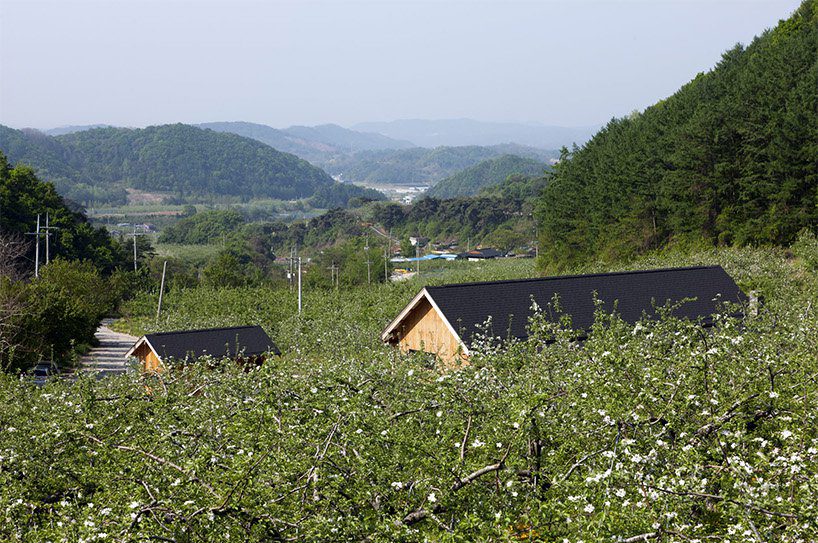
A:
{"x": 567, "y": 63}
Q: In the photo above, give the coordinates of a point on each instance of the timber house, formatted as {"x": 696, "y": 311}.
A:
{"x": 443, "y": 320}
{"x": 242, "y": 343}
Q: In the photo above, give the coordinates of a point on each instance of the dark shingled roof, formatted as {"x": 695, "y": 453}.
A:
{"x": 218, "y": 342}
{"x": 481, "y": 253}
{"x": 509, "y": 302}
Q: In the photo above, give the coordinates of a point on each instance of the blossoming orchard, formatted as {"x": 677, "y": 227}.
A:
{"x": 662, "y": 431}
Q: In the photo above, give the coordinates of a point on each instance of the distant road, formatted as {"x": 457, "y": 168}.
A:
{"x": 109, "y": 357}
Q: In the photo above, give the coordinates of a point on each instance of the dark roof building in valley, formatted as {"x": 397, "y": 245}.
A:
{"x": 481, "y": 254}
{"x": 444, "y": 319}
{"x": 234, "y": 342}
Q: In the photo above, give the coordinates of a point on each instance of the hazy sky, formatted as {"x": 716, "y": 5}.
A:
{"x": 573, "y": 63}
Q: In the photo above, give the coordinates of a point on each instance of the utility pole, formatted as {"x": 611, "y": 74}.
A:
{"x": 299, "y": 285}
{"x": 161, "y": 289}
{"x": 37, "y": 249}
{"x": 386, "y": 257}
{"x": 386, "y": 262}
{"x": 536, "y": 236}
{"x": 48, "y": 230}
{"x": 36, "y": 235}
{"x": 293, "y": 253}
{"x": 134, "y": 245}
{"x": 335, "y": 274}
{"x": 368, "y": 263}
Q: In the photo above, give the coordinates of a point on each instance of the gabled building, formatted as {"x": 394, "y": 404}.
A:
{"x": 242, "y": 343}
{"x": 444, "y": 320}
{"x": 481, "y": 254}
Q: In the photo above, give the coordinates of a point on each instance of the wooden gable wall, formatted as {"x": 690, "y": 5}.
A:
{"x": 424, "y": 330}
{"x": 150, "y": 362}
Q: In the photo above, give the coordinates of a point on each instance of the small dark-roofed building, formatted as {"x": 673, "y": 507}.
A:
{"x": 481, "y": 254}
{"x": 443, "y": 320}
{"x": 241, "y": 343}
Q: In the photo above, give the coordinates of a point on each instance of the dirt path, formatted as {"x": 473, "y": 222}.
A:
{"x": 109, "y": 357}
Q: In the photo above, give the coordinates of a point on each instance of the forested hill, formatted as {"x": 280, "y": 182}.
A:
{"x": 187, "y": 159}
{"x": 487, "y": 173}
{"x": 177, "y": 158}
{"x": 731, "y": 158}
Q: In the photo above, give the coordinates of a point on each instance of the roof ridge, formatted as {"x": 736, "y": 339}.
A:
{"x": 574, "y": 276}
{"x": 204, "y": 330}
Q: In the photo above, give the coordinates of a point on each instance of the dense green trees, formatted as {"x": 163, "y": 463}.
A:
{"x": 345, "y": 265}
{"x": 483, "y": 219}
{"x": 201, "y": 228}
{"x": 488, "y": 173}
{"x": 23, "y": 196}
{"x": 343, "y": 194}
{"x": 47, "y": 316}
{"x": 181, "y": 159}
{"x": 729, "y": 159}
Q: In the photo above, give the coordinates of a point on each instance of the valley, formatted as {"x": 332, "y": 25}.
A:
{"x": 436, "y": 329}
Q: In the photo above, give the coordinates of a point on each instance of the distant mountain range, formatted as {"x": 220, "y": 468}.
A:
{"x": 459, "y": 132}
{"x": 316, "y": 144}
{"x": 70, "y": 129}
{"x": 319, "y": 143}
{"x": 488, "y": 173}
{"x": 373, "y": 159}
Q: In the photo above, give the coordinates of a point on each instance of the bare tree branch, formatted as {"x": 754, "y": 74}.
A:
{"x": 465, "y": 440}
{"x": 640, "y": 537}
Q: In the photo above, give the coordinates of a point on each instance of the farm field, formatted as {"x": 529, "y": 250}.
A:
{"x": 656, "y": 432}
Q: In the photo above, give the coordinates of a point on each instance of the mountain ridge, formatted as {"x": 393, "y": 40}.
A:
{"x": 466, "y": 132}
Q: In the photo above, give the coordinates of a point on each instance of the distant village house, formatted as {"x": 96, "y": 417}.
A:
{"x": 481, "y": 254}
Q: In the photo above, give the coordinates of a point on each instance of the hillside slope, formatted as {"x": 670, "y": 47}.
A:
{"x": 488, "y": 173}
{"x": 731, "y": 158}
{"x": 344, "y": 138}
{"x": 178, "y": 158}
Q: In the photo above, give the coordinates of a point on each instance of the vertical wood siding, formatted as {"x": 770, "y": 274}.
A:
{"x": 424, "y": 330}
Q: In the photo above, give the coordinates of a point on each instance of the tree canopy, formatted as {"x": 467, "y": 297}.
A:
{"x": 728, "y": 159}
{"x": 177, "y": 158}
{"x": 488, "y": 173}
{"x": 23, "y": 196}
